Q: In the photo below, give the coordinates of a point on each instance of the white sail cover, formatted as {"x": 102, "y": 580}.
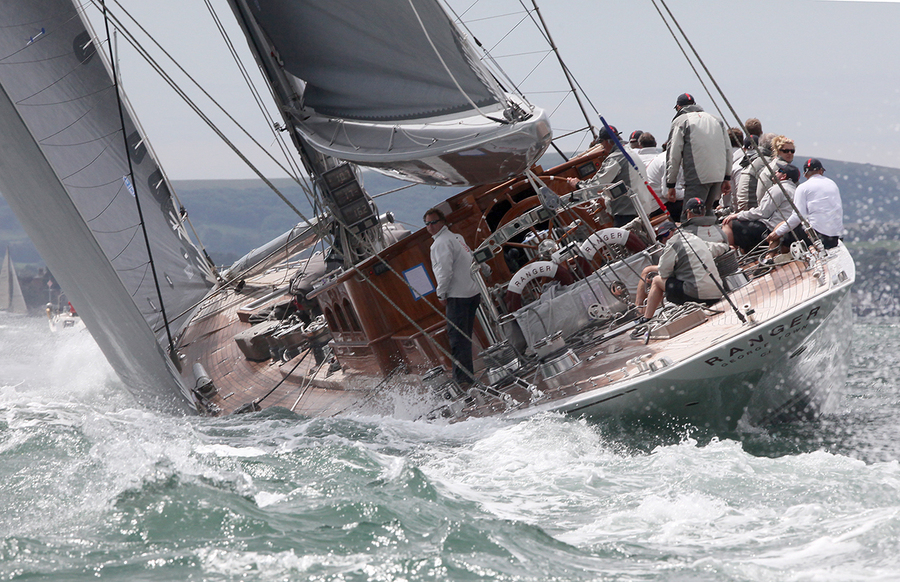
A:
{"x": 11, "y": 298}
{"x": 391, "y": 84}
{"x": 64, "y": 172}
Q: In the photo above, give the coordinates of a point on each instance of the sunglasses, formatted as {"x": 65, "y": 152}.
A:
{"x": 787, "y": 151}
{"x": 432, "y": 222}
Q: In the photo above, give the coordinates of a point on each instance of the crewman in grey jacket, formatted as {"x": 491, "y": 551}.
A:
{"x": 747, "y": 229}
{"x": 615, "y": 168}
{"x": 686, "y": 270}
{"x": 698, "y": 143}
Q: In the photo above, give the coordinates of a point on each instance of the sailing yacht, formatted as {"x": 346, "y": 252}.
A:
{"x": 339, "y": 315}
{"x": 11, "y": 298}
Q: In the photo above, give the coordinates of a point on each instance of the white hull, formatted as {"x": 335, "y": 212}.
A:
{"x": 778, "y": 370}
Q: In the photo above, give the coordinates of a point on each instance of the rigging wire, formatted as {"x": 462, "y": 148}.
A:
{"x": 137, "y": 200}
{"x": 499, "y": 71}
{"x": 450, "y": 73}
{"x": 254, "y": 92}
{"x": 496, "y": 69}
{"x": 562, "y": 64}
{"x": 192, "y": 104}
{"x": 154, "y": 64}
{"x": 806, "y": 225}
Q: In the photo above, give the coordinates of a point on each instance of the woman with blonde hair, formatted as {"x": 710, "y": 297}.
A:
{"x": 784, "y": 148}
{"x": 782, "y": 155}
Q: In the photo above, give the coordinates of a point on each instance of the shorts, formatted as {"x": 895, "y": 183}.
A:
{"x": 675, "y": 293}
{"x": 748, "y": 234}
{"x": 829, "y": 242}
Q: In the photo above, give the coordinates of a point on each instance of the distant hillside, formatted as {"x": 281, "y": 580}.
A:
{"x": 234, "y": 216}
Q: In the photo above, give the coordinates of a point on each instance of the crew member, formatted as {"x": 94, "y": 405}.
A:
{"x": 451, "y": 261}
{"x": 819, "y": 201}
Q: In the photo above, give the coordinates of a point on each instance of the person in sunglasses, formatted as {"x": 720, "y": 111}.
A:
{"x": 783, "y": 154}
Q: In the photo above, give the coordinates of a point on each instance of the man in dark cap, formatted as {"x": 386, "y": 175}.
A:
{"x": 633, "y": 139}
{"x": 698, "y": 222}
{"x": 615, "y": 168}
{"x": 684, "y": 100}
{"x": 748, "y": 228}
{"x": 699, "y": 144}
{"x": 818, "y": 200}
{"x": 686, "y": 271}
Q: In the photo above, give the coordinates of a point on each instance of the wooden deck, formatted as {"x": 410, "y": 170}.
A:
{"x": 308, "y": 388}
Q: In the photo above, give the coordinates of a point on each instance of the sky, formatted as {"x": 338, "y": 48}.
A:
{"x": 819, "y": 71}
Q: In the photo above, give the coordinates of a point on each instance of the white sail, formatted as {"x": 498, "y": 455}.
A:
{"x": 393, "y": 85}
{"x": 11, "y": 298}
{"x": 65, "y": 173}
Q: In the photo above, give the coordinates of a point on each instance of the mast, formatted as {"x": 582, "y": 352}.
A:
{"x": 336, "y": 185}
{"x": 565, "y": 69}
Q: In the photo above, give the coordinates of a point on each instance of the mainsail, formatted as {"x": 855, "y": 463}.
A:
{"x": 11, "y": 298}
{"x": 65, "y": 173}
{"x": 393, "y": 85}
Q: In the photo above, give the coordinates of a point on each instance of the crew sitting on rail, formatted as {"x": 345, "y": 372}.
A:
{"x": 545, "y": 266}
{"x": 686, "y": 271}
{"x": 819, "y": 200}
{"x": 705, "y": 227}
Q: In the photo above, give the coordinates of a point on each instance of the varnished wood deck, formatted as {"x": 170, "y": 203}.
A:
{"x": 306, "y": 388}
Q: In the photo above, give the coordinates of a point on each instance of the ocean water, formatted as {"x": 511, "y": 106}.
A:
{"x": 92, "y": 487}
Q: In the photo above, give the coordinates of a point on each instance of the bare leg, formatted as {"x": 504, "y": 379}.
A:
{"x": 657, "y": 290}
{"x": 642, "y": 286}
{"x": 729, "y": 234}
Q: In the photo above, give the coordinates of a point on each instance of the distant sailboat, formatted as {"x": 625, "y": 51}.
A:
{"x": 11, "y": 298}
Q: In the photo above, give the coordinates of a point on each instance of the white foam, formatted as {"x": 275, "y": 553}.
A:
{"x": 229, "y": 451}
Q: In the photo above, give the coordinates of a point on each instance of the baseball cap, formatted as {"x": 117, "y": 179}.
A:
{"x": 812, "y": 164}
{"x": 604, "y": 134}
{"x": 695, "y": 205}
{"x": 791, "y": 171}
{"x": 685, "y": 99}
{"x": 635, "y": 135}
{"x": 665, "y": 228}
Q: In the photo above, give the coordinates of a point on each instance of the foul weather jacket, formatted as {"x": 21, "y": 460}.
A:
{"x": 699, "y": 143}
{"x": 773, "y": 208}
{"x": 615, "y": 168}
{"x": 682, "y": 259}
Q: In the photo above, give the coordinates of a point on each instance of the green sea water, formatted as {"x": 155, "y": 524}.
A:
{"x": 93, "y": 488}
